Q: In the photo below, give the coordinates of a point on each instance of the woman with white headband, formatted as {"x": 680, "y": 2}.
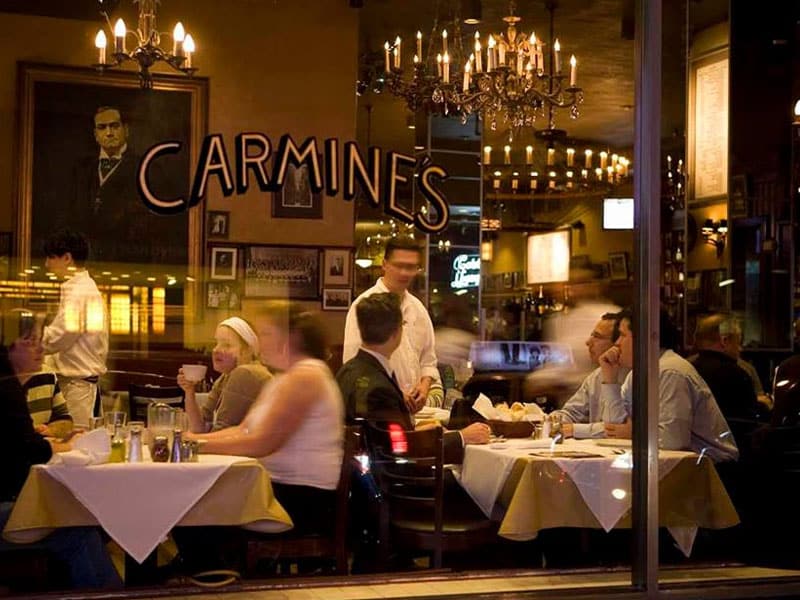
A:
{"x": 235, "y": 356}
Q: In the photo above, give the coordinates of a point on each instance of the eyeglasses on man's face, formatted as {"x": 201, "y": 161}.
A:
{"x": 405, "y": 267}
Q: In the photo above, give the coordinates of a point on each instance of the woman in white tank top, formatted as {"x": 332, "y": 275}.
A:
{"x": 296, "y": 425}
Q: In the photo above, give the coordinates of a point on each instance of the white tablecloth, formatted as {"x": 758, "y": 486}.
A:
{"x": 137, "y": 504}
{"x": 604, "y": 483}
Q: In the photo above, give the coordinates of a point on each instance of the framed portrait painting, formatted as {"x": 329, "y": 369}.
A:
{"x": 224, "y": 262}
{"x": 337, "y": 266}
{"x": 82, "y": 135}
{"x": 296, "y": 199}
{"x": 282, "y": 272}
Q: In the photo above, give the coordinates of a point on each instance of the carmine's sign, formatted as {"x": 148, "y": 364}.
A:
{"x": 379, "y": 175}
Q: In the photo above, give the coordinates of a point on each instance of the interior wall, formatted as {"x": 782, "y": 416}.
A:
{"x": 273, "y": 67}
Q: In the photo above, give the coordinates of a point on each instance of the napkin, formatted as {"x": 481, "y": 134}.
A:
{"x": 91, "y": 448}
{"x": 485, "y": 408}
{"x": 533, "y": 412}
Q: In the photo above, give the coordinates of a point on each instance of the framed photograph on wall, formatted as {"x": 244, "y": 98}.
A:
{"x": 218, "y": 224}
{"x": 336, "y": 299}
{"x": 336, "y": 266}
{"x": 282, "y": 272}
{"x": 224, "y": 260}
{"x": 618, "y": 265}
{"x": 82, "y": 135}
{"x": 296, "y": 199}
{"x": 708, "y": 128}
{"x": 224, "y": 295}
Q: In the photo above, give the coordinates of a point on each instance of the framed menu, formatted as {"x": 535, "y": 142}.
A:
{"x": 708, "y": 128}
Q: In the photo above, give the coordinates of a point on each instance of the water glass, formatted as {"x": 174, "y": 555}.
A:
{"x": 115, "y": 420}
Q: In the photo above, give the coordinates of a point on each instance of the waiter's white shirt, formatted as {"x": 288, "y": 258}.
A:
{"x": 77, "y": 339}
{"x": 415, "y": 357}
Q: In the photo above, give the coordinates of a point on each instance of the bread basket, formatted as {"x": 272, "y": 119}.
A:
{"x": 511, "y": 429}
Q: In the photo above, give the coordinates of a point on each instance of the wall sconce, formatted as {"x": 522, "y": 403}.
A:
{"x": 715, "y": 233}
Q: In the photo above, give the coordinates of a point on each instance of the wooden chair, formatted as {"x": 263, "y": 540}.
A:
{"x": 292, "y": 546}
{"x": 141, "y": 396}
{"x": 410, "y": 469}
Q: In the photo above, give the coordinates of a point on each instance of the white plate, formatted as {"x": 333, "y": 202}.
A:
{"x": 613, "y": 442}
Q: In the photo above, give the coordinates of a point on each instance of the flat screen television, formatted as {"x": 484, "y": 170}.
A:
{"x": 518, "y": 356}
{"x": 548, "y": 257}
{"x": 618, "y": 213}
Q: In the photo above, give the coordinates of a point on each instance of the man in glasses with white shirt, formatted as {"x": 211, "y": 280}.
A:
{"x": 414, "y": 362}
{"x": 584, "y": 413}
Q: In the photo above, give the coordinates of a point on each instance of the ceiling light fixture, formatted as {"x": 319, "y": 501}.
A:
{"x": 507, "y": 76}
{"x": 148, "y": 49}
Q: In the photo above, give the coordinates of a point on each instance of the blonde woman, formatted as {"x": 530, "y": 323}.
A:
{"x": 295, "y": 428}
{"x": 235, "y": 357}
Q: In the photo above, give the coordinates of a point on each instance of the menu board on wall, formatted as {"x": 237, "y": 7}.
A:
{"x": 709, "y": 128}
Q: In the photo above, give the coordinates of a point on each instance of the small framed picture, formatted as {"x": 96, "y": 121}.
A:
{"x": 224, "y": 260}
{"x": 336, "y": 299}
{"x": 296, "y": 199}
{"x": 224, "y": 296}
{"x": 618, "y": 265}
{"x": 218, "y": 224}
{"x": 336, "y": 266}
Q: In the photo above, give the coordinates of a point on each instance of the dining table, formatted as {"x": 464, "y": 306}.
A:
{"x": 137, "y": 504}
{"x": 534, "y": 484}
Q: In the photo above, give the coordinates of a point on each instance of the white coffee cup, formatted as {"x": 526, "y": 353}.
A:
{"x": 194, "y": 373}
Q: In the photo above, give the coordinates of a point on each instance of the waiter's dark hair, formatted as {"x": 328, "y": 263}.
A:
{"x": 66, "y": 240}
{"x": 379, "y": 316}
{"x": 401, "y": 243}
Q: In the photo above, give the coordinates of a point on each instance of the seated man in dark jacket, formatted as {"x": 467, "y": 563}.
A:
{"x": 717, "y": 339}
{"x": 368, "y": 387}
{"x": 81, "y": 549}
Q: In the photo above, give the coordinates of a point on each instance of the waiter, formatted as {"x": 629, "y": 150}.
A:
{"x": 414, "y": 362}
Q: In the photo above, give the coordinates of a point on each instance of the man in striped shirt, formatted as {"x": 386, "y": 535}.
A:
{"x": 46, "y": 403}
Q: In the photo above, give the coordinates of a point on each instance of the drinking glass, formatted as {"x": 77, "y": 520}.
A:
{"x": 114, "y": 420}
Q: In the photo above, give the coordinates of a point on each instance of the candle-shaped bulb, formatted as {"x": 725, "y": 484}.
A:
{"x": 487, "y": 155}
{"x": 588, "y": 162}
{"x": 119, "y": 36}
{"x": 573, "y": 71}
{"x": 444, "y": 41}
{"x": 419, "y": 43}
{"x": 387, "y": 64}
{"x": 557, "y": 55}
{"x": 397, "y": 52}
{"x": 188, "y": 48}
{"x": 446, "y": 61}
{"x": 100, "y": 43}
{"x": 551, "y": 156}
{"x": 467, "y": 69}
{"x": 100, "y": 39}
{"x": 570, "y": 157}
{"x": 178, "y": 36}
{"x": 603, "y": 159}
{"x": 528, "y": 155}
{"x": 439, "y": 64}
{"x": 507, "y": 154}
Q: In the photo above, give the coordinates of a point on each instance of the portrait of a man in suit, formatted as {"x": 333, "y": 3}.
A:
{"x": 106, "y": 198}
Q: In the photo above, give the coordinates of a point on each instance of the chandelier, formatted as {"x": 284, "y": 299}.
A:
{"x": 148, "y": 49}
{"x": 553, "y": 167}
{"x": 506, "y": 76}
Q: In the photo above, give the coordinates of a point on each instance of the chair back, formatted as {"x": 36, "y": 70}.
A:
{"x": 409, "y": 465}
{"x": 786, "y": 392}
{"x": 141, "y": 396}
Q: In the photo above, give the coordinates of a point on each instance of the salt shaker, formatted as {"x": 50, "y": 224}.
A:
{"x": 176, "y": 455}
{"x": 135, "y": 445}
{"x": 546, "y": 424}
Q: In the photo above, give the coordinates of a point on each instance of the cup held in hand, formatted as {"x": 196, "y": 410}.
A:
{"x": 194, "y": 373}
